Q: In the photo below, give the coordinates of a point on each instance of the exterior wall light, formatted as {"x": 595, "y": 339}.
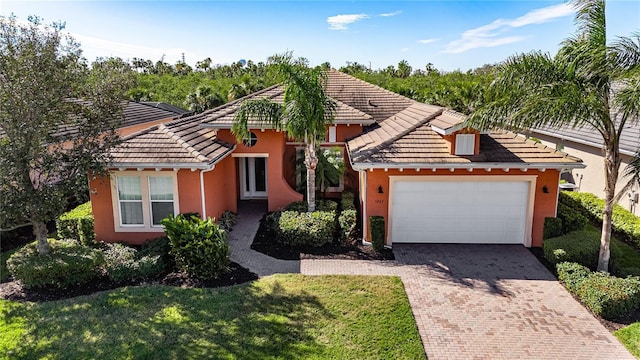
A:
{"x": 380, "y": 191}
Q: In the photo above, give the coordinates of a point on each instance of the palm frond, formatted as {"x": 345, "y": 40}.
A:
{"x": 262, "y": 111}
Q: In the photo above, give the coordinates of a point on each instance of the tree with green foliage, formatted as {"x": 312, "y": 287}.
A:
{"x": 203, "y": 99}
{"x": 304, "y": 114}
{"x": 587, "y": 83}
{"x": 46, "y": 89}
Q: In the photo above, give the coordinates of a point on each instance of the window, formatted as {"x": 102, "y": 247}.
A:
{"x": 130, "y": 200}
{"x": 142, "y": 199}
{"x": 161, "y": 197}
{"x": 465, "y": 144}
{"x": 332, "y": 134}
{"x": 251, "y": 140}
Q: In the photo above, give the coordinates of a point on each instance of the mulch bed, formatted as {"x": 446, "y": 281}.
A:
{"x": 265, "y": 243}
{"x": 14, "y": 290}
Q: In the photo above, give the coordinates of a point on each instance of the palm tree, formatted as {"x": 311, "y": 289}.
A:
{"x": 204, "y": 98}
{"x": 304, "y": 113}
{"x": 574, "y": 88}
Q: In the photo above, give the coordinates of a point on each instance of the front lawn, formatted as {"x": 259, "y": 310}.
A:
{"x": 281, "y": 316}
{"x": 630, "y": 338}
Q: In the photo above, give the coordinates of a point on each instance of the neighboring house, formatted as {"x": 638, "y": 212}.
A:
{"x": 586, "y": 143}
{"x": 417, "y": 165}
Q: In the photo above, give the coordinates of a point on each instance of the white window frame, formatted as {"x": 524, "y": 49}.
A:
{"x": 300, "y": 155}
{"x": 120, "y": 201}
{"x": 332, "y": 134}
{"x": 144, "y": 176}
{"x": 465, "y": 144}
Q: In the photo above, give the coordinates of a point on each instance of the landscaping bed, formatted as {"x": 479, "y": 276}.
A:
{"x": 265, "y": 242}
{"x": 234, "y": 274}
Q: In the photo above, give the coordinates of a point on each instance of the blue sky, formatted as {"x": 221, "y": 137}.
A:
{"x": 450, "y": 34}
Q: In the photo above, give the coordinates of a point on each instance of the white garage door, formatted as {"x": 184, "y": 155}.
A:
{"x": 459, "y": 212}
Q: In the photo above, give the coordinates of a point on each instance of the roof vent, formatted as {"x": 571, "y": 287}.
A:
{"x": 371, "y": 103}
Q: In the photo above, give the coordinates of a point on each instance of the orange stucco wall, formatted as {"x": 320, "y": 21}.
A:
{"x": 101, "y": 203}
{"x": 272, "y": 144}
{"x": 544, "y": 203}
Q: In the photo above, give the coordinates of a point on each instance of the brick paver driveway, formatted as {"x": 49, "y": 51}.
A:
{"x": 487, "y": 302}
{"x": 497, "y": 302}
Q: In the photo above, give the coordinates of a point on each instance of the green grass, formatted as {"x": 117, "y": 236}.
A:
{"x": 277, "y": 317}
{"x": 4, "y": 272}
{"x": 630, "y": 338}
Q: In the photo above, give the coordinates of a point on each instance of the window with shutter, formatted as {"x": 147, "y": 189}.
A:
{"x": 465, "y": 144}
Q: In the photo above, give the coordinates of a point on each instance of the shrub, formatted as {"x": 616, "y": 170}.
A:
{"x": 68, "y": 263}
{"x": 77, "y": 224}
{"x": 578, "y": 246}
{"x": 347, "y": 221}
{"x": 348, "y": 201}
{"x": 572, "y": 219}
{"x": 623, "y": 221}
{"x": 376, "y": 224}
{"x": 227, "y": 220}
{"x": 608, "y": 296}
{"x": 572, "y": 275}
{"x": 124, "y": 263}
{"x": 199, "y": 246}
{"x": 158, "y": 246}
{"x": 321, "y": 205}
{"x": 306, "y": 229}
{"x": 552, "y": 228}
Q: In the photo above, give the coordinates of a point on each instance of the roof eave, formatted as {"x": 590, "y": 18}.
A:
{"x": 359, "y": 166}
{"x": 157, "y": 165}
{"x": 449, "y": 130}
{"x": 577, "y": 141}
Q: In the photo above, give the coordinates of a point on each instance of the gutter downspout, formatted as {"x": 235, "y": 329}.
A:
{"x": 204, "y": 203}
{"x": 365, "y": 225}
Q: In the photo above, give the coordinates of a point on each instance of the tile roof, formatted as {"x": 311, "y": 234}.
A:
{"x": 181, "y": 142}
{"x": 448, "y": 121}
{"x": 222, "y": 116}
{"x": 422, "y": 145}
{"x": 167, "y": 107}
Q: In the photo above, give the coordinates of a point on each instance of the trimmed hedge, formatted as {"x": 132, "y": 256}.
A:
{"x": 347, "y": 221}
{"x": 552, "y": 228}
{"x": 348, "y": 201}
{"x": 306, "y": 228}
{"x": 321, "y": 205}
{"x": 579, "y": 246}
{"x": 77, "y": 224}
{"x": 124, "y": 263}
{"x": 199, "y": 246}
{"x": 68, "y": 263}
{"x": 607, "y": 296}
{"x": 623, "y": 221}
{"x": 583, "y": 247}
{"x": 376, "y": 224}
{"x": 569, "y": 219}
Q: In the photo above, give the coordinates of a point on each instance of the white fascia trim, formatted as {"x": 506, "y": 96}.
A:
{"x": 159, "y": 166}
{"x": 448, "y": 131}
{"x": 369, "y": 166}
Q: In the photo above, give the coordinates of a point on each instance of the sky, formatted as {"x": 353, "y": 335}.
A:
{"x": 448, "y": 34}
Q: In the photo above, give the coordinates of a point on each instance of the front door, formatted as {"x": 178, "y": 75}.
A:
{"x": 253, "y": 176}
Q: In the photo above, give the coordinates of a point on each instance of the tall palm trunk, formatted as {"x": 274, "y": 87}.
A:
{"x": 311, "y": 162}
{"x": 611, "y": 167}
{"x": 40, "y": 232}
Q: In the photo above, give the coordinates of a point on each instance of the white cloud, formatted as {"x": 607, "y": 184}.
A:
{"x": 391, "y": 13}
{"x": 340, "y": 22}
{"x": 488, "y": 35}
{"x": 427, "y": 41}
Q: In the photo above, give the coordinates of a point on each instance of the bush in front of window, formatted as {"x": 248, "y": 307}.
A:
{"x": 68, "y": 263}
{"x": 77, "y": 224}
{"x": 199, "y": 246}
{"x": 124, "y": 263}
{"x": 300, "y": 229}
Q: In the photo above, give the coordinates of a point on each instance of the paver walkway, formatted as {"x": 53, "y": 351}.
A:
{"x": 469, "y": 301}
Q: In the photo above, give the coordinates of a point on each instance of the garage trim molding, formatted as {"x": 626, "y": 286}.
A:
{"x": 470, "y": 178}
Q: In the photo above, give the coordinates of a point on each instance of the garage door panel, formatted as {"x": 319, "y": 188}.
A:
{"x": 459, "y": 212}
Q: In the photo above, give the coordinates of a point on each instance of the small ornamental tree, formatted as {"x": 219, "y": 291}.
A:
{"x": 58, "y": 120}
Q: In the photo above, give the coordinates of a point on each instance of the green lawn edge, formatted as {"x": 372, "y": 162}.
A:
{"x": 280, "y": 316}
